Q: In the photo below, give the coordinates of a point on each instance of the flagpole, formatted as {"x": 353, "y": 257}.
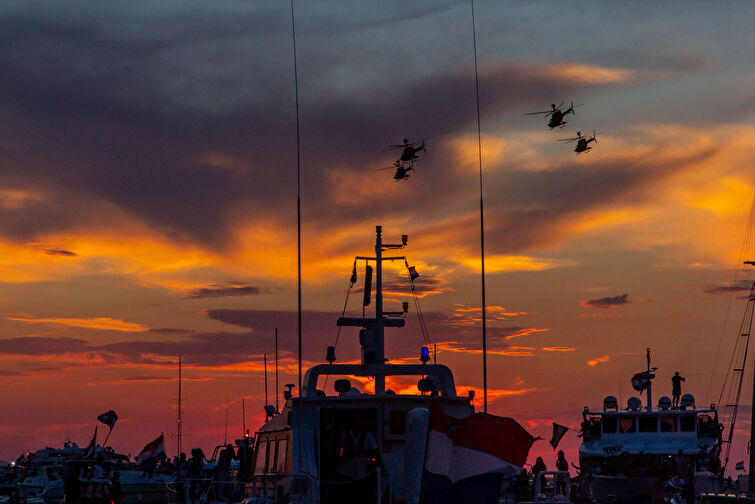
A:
{"x": 104, "y": 443}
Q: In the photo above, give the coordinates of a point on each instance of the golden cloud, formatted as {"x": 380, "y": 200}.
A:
{"x": 103, "y": 323}
{"x": 598, "y": 360}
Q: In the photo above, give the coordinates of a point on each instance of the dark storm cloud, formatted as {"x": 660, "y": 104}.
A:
{"x": 607, "y": 303}
{"x": 41, "y": 345}
{"x": 159, "y": 126}
{"x": 230, "y": 290}
{"x": 729, "y": 288}
{"x": 66, "y": 253}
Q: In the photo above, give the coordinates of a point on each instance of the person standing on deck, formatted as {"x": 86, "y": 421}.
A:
{"x": 562, "y": 465}
{"x": 676, "y": 390}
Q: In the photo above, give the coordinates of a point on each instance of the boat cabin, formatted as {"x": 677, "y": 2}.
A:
{"x": 616, "y": 441}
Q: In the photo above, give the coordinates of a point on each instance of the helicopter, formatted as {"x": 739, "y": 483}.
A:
{"x": 581, "y": 142}
{"x": 557, "y": 115}
{"x": 402, "y": 170}
{"x": 409, "y": 152}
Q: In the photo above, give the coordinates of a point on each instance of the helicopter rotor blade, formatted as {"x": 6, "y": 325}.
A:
{"x": 386, "y": 168}
{"x": 545, "y": 112}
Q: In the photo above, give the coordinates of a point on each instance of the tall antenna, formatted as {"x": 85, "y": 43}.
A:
{"x": 482, "y": 225}
{"x": 225, "y": 435}
{"x": 180, "y": 421}
{"x": 264, "y": 356}
{"x": 276, "y": 371}
{"x": 298, "y": 223}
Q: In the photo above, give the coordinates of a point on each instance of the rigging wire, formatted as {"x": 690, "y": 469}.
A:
{"x": 420, "y": 315}
{"x": 343, "y": 312}
{"x": 743, "y": 251}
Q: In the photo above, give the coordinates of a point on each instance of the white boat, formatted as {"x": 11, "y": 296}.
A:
{"x": 300, "y": 452}
{"x": 641, "y": 454}
{"x": 44, "y": 466}
{"x": 137, "y": 487}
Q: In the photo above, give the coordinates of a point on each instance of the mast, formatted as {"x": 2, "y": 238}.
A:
{"x": 276, "y": 371}
{"x": 482, "y": 226}
{"x": 264, "y": 356}
{"x": 379, "y": 328}
{"x": 180, "y": 422}
{"x": 650, "y": 383}
{"x": 746, "y": 330}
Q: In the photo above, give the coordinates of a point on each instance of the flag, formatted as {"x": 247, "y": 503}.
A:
{"x": 91, "y": 448}
{"x": 466, "y": 458}
{"x": 108, "y": 418}
{"x": 558, "y": 433}
{"x": 153, "y": 451}
{"x": 641, "y": 381}
{"x": 740, "y": 466}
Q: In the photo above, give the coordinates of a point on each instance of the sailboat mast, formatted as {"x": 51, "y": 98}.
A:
{"x": 746, "y": 330}
{"x": 276, "y": 371}
{"x": 180, "y": 421}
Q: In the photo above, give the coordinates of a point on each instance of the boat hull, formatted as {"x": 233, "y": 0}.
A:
{"x": 621, "y": 489}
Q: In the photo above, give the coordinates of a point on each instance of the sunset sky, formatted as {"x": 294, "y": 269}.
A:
{"x": 148, "y": 202}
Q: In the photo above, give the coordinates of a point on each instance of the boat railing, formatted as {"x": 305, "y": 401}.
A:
{"x": 277, "y": 488}
{"x": 202, "y": 489}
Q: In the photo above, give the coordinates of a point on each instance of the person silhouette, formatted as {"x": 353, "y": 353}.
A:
{"x": 676, "y": 388}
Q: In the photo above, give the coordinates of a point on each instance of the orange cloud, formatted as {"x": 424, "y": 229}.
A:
{"x": 557, "y": 349}
{"x": 500, "y": 263}
{"x": 598, "y": 360}
{"x": 104, "y": 323}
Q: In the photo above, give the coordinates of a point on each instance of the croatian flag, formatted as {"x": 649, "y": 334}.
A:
{"x": 467, "y": 457}
{"x": 153, "y": 451}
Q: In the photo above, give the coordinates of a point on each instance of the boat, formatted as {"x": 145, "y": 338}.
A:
{"x": 43, "y": 466}
{"x": 137, "y": 486}
{"x": 300, "y": 452}
{"x": 646, "y": 454}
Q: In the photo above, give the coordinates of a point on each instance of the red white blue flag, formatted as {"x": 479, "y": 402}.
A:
{"x": 153, "y": 451}
{"x": 467, "y": 457}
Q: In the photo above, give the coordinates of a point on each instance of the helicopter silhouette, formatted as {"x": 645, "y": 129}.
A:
{"x": 402, "y": 170}
{"x": 582, "y": 142}
{"x": 409, "y": 152}
{"x": 556, "y": 114}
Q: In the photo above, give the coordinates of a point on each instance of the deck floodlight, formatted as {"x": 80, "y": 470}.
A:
{"x": 269, "y": 410}
{"x": 404, "y": 239}
{"x": 331, "y": 354}
{"x": 471, "y": 395}
{"x": 405, "y": 306}
{"x": 342, "y": 386}
{"x": 413, "y": 273}
{"x": 288, "y": 394}
{"x": 426, "y": 385}
{"x": 424, "y": 355}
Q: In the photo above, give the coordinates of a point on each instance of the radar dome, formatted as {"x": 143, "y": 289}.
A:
{"x": 610, "y": 402}
{"x": 688, "y": 401}
{"x": 664, "y": 403}
{"x": 634, "y": 404}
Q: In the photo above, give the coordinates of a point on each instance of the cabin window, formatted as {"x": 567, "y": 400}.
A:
{"x": 626, "y": 425}
{"x": 668, "y": 424}
{"x": 648, "y": 424}
{"x": 609, "y": 425}
{"x": 397, "y": 422}
{"x": 259, "y": 462}
{"x": 706, "y": 425}
{"x": 280, "y": 464}
{"x": 270, "y": 466}
{"x": 687, "y": 423}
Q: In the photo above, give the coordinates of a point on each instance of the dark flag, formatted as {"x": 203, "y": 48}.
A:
{"x": 558, "y": 433}
{"x": 153, "y": 452}
{"x": 108, "y": 418}
{"x": 91, "y": 448}
{"x": 641, "y": 381}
